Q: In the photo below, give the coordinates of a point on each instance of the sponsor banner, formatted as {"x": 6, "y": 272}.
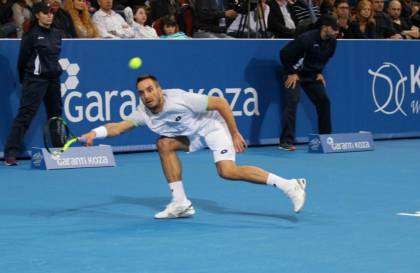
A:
{"x": 340, "y": 143}
{"x": 74, "y": 157}
{"x": 378, "y": 90}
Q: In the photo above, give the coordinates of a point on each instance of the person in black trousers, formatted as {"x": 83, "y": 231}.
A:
{"x": 303, "y": 60}
{"x": 39, "y": 73}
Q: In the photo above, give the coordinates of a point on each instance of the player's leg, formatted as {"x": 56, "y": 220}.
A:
{"x": 219, "y": 141}
{"x": 316, "y": 92}
{"x": 293, "y": 188}
{"x": 179, "y": 206}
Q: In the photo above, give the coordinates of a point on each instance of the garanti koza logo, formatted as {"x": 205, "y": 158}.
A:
{"x": 389, "y": 89}
{"x": 71, "y": 70}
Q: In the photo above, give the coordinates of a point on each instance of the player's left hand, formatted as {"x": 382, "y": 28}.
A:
{"x": 320, "y": 77}
{"x": 239, "y": 143}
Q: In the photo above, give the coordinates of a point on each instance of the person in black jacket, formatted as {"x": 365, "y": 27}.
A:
{"x": 39, "y": 73}
{"x": 303, "y": 60}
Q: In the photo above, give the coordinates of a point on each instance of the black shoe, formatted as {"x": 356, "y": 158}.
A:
{"x": 10, "y": 161}
{"x": 287, "y": 147}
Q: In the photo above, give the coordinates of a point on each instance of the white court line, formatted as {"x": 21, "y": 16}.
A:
{"x": 415, "y": 214}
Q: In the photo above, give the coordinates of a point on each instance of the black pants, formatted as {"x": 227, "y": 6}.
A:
{"x": 34, "y": 91}
{"x": 316, "y": 92}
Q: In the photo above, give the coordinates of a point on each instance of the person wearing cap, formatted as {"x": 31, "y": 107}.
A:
{"x": 303, "y": 60}
{"x": 39, "y": 72}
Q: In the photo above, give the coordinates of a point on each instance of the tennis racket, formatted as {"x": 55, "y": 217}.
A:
{"x": 58, "y": 137}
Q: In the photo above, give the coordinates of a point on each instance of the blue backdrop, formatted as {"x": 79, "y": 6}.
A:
{"x": 373, "y": 85}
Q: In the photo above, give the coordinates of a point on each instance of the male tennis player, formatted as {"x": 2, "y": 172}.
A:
{"x": 189, "y": 122}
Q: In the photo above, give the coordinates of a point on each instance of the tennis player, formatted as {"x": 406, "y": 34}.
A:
{"x": 189, "y": 122}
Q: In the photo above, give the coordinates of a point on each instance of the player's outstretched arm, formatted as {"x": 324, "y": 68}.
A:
{"x": 222, "y": 106}
{"x": 107, "y": 130}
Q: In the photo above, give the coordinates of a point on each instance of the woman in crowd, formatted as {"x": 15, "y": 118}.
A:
{"x": 79, "y": 13}
{"x": 363, "y": 25}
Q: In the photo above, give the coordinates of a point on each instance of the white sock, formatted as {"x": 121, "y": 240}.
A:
{"x": 177, "y": 189}
{"x": 279, "y": 182}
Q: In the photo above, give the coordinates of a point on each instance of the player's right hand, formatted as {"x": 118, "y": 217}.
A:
{"x": 89, "y": 137}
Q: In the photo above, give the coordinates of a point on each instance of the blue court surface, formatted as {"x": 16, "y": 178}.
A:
{"x": 101, "y": 220}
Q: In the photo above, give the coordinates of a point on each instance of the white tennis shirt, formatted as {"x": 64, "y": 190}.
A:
{"x": 183, "y": 114}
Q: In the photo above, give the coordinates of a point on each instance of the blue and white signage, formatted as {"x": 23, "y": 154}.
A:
{"x": 73, "y": 158}
{"x": 379, "y": 91}
{"x": 340, "y": 143}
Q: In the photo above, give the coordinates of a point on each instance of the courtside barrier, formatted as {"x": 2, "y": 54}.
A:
{"x": 374, "y": 85}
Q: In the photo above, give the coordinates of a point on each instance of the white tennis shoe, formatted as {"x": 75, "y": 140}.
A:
{"x": 296, "y": 193}
{"x": 176, "y": 210}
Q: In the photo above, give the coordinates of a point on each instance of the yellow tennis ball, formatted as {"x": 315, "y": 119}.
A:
{"x": 135, "y": 63}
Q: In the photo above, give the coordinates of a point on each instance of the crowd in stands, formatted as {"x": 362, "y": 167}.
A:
{"x": 185, "y": 19}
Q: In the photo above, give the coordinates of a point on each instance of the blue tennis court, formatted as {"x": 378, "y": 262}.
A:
{"x": 101, "y": 220}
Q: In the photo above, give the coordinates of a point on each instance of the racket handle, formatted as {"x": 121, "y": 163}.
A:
{"x": 81, "y": 139}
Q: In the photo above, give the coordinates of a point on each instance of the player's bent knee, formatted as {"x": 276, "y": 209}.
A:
{"x": 165, "y": 144}
{"x": 228, "y": 174}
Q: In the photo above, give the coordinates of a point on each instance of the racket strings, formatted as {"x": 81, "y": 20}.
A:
{"x": 56, "y": 133}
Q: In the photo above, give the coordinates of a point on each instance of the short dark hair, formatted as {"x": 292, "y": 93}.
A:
{"x": 167, "y": 20}
{"x": 338, "y": 2}
{"x": 147, "y": 77}
{"x": 136, "y": 8}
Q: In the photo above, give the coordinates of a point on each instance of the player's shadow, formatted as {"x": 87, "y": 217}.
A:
{"x": 157, "y": 203}
{"x": 104, "y": 209}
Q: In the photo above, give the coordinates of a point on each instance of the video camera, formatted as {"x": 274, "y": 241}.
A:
{"x": 244, "y": 6}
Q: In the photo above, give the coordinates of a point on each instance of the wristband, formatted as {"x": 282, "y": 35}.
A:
{"x": 101, "y": 132}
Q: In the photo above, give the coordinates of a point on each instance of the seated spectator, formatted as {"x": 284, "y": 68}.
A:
{"x": 327, "y": 7}
{"x": 138, "y": 21}
{"x": 384, "y": 27}
{"x": 258, "y": 23}
{"x": 363, "y": 25}
{"x": 402, "y": 26}
{"x": 79, "y": 13}
{"x": 21, "y": 15}
{"x": 307, "y": 13}
{"x": 62, "y": 19}
{"x": 211, "y": 18}
{"x": 415, "y": 13}
{"x": 161, "y": 8}
{"x": 7, "y": 26}
{"x": 281, "y": 19}
{"x": 109, "y": 23}
{"x": 170, "y": 29}
{"x": 342, "y": 11}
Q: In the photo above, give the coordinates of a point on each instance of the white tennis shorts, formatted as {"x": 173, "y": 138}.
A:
{"x": 218, "y": 139}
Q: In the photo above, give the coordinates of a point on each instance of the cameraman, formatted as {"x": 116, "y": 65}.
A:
{"x": 213, "y": 17}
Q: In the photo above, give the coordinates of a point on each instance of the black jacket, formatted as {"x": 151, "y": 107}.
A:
{"x": 307, "y": 54}
{"x": 384, "y": 27}
{"x": 39, "y": 53}
{"x": 64, "y": 23}
{"x": 207, "y": 15}
{"x": 276, "y": 23}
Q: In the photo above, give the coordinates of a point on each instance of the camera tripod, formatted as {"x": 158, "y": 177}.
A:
{"x": 245, "y": 29}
